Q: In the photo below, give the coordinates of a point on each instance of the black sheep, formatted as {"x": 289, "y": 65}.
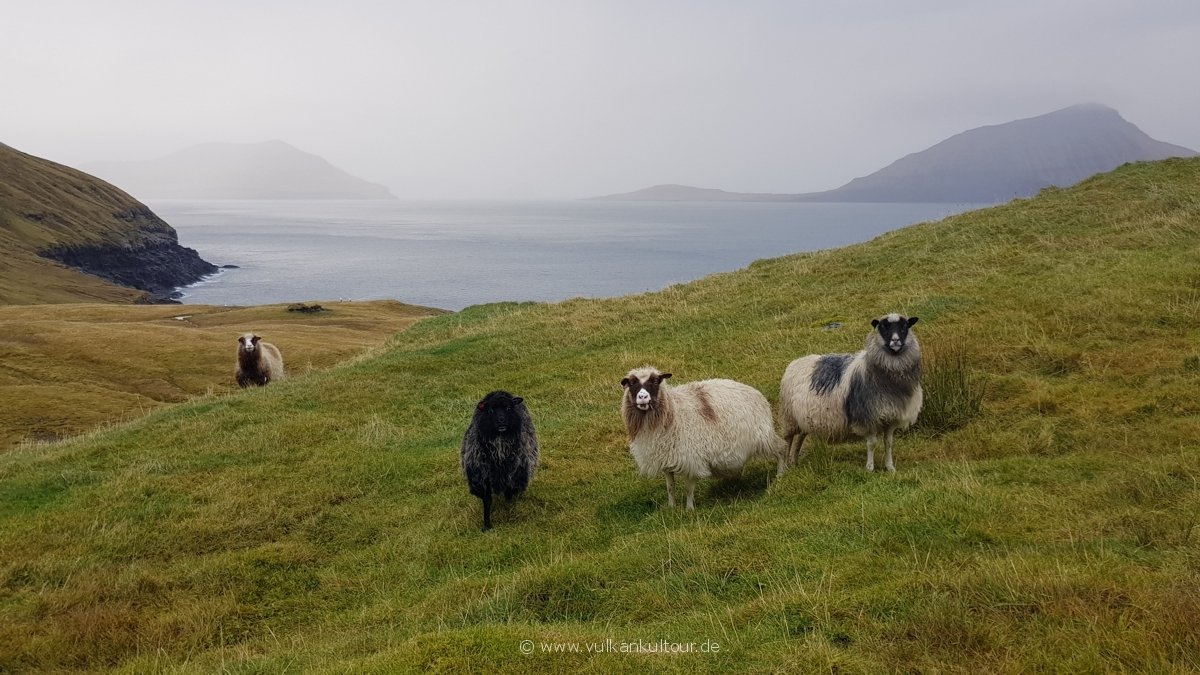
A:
{"x": 500, "y": 450}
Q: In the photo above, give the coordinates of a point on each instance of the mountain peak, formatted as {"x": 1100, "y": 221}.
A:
{"x": 1090, "y": 107}
{"x": 987, "y": 164}
{"x": 1016, "y": 159}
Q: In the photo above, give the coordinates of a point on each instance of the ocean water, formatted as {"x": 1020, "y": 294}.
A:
{"x": 455, "y": 254}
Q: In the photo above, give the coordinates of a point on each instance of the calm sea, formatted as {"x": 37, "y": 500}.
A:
{"x": 455, "y": 254}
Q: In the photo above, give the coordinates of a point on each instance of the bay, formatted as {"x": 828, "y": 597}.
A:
{"x": 451, "y": 255}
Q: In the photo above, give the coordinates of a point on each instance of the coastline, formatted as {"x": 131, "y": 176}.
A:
{"x": 180, "y": 292}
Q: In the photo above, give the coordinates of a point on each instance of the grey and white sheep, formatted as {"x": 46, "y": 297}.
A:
{"x": 258, "y": 362}
{"x": 838, "y": 397}
{"x": 697, "y": 429}
{"x": 499, "y": 452}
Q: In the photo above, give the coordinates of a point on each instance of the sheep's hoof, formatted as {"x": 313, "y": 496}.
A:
{"x": 870, "y": 467}
{"x": 891, "y": 469}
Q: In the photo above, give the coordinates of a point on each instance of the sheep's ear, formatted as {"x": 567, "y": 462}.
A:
{"x": 665, "y": 376}
{"x": 255, "y": 339}
{"x": 911, "y": 321}
{"x": 874, "y": 323}
{"x": 517, "y": 400}
{"x": 624, "y": 381}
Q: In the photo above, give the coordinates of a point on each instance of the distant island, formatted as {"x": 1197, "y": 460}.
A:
{"x": 66, "y": 236}
{"x": 268, "y": 170}
{"x": 985, "y": 165}
{"x": 687, "y": 193}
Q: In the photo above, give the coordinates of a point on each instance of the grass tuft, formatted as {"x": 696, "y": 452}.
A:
{"x": 953, "y": 389}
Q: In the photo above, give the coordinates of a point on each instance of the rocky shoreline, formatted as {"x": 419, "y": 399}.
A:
{"x": 157, "y": 264}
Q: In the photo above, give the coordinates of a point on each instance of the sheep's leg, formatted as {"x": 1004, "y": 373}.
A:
{"x": 891, "y": 466}
{"x": 691, "y": 486}
{"x": 487, "y": 510}
{"x": 871, "y": 453}
{"x": 670, "y": 489}
{"x": 796, "y": 446}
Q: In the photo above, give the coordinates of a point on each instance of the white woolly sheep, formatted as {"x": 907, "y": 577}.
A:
{"x": 697, "y": 429}
{"x": 258, "y": 363}
{"x": 838, "y": 397}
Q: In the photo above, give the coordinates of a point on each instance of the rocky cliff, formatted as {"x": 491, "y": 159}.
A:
{"x": 67, "y": 236}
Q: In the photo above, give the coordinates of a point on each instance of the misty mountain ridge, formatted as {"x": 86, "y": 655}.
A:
{"x": 267, "y": 170}
{"x": 983, "y": 165}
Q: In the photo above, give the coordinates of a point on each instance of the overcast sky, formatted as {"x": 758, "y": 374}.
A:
{"x": 563, "y": 99}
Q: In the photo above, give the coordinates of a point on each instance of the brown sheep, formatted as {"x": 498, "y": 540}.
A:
{"x": 258, "y": 363}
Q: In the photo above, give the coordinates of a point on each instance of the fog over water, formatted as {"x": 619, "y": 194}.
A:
{"x": 542, "y": 99}
{"x": 454, "y": 254}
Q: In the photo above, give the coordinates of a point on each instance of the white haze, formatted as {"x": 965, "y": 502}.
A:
{"x": 563, "y": 99}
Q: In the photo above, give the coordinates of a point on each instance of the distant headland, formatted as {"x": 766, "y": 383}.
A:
{"x": 66, "y": 236}
{"x": 984, "y": 165}
{"x": 268, "y": 170}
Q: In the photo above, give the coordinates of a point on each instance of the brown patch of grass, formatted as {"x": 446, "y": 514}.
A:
{"x": 68, "y": 368}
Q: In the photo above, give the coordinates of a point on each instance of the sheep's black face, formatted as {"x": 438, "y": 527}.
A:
{"x": 248, "y": 342}
{"x": 642, "y": 392}
{"x": 893, "y": 331}
{"x": 498, "y": 414}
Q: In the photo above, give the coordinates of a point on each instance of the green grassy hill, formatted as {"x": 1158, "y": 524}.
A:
{"x": 322, "y": 524}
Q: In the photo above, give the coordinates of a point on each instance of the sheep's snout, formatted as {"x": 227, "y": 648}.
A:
{"x": 500, "y": 419}
{"x": 895, "y": 344}
{"x": 642, "y": 400}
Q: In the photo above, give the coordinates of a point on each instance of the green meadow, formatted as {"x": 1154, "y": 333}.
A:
{"x": 1042, "y": 518}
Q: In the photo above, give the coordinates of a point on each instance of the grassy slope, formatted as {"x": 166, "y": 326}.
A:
{"x": 69, "y": 368}
{"x": 43, "y": 204}
{"x": 322, "y": 523}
